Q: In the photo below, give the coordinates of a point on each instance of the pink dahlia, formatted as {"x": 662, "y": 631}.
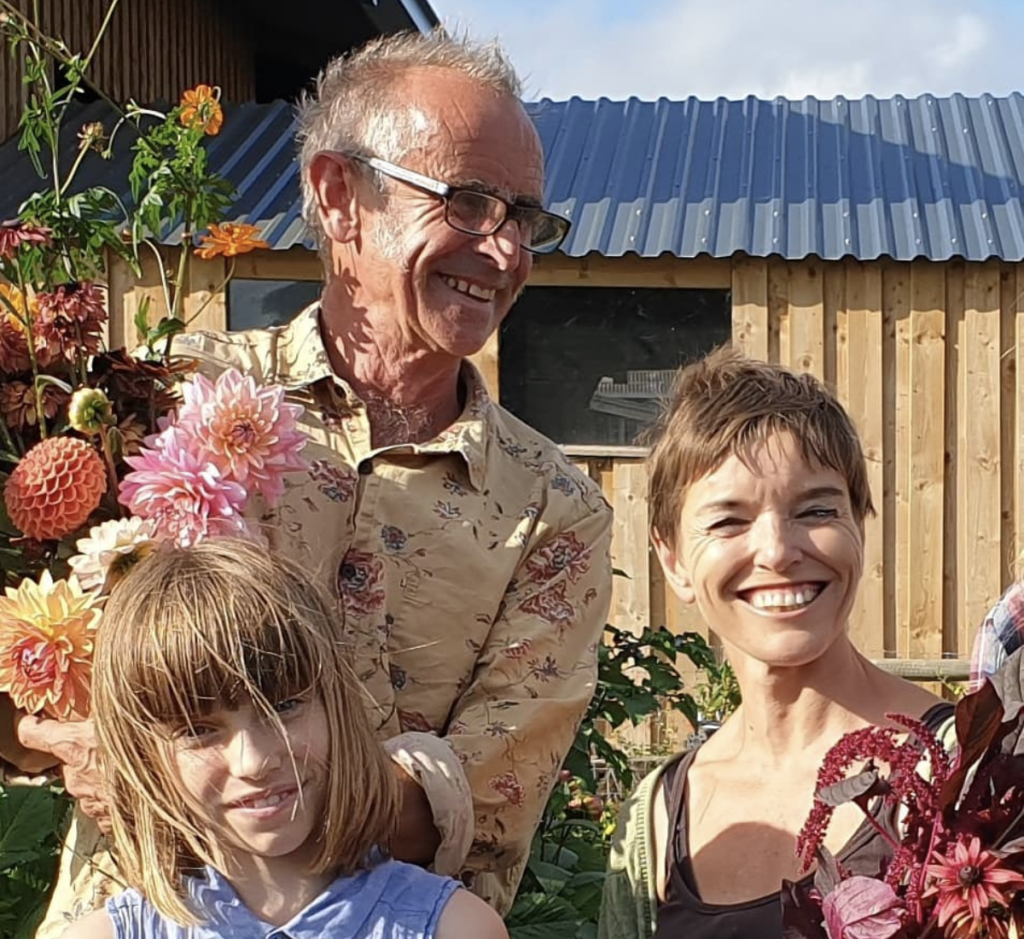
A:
{"x": 968, "y": 879}
{"x": 185, "y": 496}
{"x": 247, "y": 430}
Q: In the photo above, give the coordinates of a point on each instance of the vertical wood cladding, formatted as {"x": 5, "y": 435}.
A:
{"x": 152, "y": 51}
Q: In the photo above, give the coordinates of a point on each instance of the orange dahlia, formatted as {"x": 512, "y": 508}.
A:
{"x": 201, "y": 110}
{"x": 229, "y": 239}
{"x": 46, "y": 644}
{"x": 55, "y": 487}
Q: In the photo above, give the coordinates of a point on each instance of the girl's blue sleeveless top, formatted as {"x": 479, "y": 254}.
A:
{"x": 389, "y": 901}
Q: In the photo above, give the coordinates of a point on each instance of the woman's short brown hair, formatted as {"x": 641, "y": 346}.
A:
{"x": 188, "y": 629}
{"x": 725, "y": 402}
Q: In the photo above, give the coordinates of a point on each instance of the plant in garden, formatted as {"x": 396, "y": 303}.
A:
{"x": 957, "y": 865}
{"x": 560, "y": 895}
{"x": 95, "y": 462}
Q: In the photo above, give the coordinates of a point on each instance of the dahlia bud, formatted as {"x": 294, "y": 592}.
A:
{"x": 89, "y": 411}
{"x": 92, "y": 137}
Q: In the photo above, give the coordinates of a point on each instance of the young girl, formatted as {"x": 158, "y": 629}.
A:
{"x": 248, "y": 795}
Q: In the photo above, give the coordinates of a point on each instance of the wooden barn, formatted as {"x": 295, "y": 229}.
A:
{"x": 254, "y": 50}
{"x": 874, "y": 243}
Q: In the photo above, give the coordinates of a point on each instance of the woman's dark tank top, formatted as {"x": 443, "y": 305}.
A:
{"x": 684, "y": 915}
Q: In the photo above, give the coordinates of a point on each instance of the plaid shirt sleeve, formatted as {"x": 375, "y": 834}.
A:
{"x": 1000, "y": 635}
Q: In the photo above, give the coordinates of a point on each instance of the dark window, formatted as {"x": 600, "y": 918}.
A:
{"x": 259, "y": 303}
{"x": 588, "y": 365}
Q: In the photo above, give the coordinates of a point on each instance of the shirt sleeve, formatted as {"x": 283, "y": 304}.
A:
{"x": 536, "y": 672}
{"x": 999, "y": 636}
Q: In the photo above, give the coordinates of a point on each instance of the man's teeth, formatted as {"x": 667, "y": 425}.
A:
{"x": 471, "y": 290}
{"x": 783, "y": 599}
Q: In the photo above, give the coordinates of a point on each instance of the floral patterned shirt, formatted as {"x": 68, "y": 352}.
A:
{"x": 474, "y": 572}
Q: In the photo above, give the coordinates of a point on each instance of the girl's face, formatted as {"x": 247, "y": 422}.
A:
{"x": 770, "y": 553}
{"x": 261, "y": 791}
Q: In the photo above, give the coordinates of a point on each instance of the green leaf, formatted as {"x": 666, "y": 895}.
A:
{"x": 540, "y": 916}
{"x": 26, "y": 815}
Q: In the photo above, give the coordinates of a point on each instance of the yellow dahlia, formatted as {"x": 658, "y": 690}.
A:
{"x": 55, "y": 487}
{"x": 46, "y": 645}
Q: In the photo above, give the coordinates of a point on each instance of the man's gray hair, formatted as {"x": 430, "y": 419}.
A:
{"x": 354, "y": 109}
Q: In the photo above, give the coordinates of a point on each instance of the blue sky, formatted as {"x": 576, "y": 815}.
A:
{"x": 732, "y": 48}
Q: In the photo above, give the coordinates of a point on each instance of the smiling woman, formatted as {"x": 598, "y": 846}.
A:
{"x": 758, "y": 499}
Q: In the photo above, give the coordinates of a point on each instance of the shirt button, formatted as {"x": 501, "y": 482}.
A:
{"x": 366, "y": 468}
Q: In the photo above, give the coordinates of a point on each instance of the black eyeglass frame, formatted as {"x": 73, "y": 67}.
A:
{"x": 445, "y": 191}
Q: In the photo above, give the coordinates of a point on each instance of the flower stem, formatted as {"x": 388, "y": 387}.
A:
{"x": 108, "y": 458}
{"x": 213, "y": 293}
{"x": 31, "y": 343}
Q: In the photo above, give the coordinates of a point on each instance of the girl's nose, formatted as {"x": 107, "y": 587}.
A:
{"x": 254, "y": 752}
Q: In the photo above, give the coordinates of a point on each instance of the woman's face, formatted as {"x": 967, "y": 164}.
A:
{"x": 770, "y": 552}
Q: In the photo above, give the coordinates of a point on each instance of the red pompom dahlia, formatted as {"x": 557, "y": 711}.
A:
{"x": 55, "y": 487}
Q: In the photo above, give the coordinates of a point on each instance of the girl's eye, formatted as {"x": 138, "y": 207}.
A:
{"x": 288, "y": 705}
{"x": 190, "y": 735}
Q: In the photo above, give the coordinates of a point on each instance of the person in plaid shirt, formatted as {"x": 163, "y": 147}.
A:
{"x": 1000, "y": 635}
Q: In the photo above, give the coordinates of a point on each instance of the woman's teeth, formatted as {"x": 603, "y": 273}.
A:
{"x": 778, "y": 601}
{"x": 470, "y": 290}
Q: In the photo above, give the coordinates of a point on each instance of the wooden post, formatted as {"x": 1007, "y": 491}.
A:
{"x": 862, "y": 390}
{"x": 926, "y": 490}
{"x": 980, "y": 442}
{"x": 750, "y": 306}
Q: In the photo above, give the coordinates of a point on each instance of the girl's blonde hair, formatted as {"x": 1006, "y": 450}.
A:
{"x": 191, "y": 629}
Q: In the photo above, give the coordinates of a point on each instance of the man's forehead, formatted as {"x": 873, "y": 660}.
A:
{"x": 468, "y": 135}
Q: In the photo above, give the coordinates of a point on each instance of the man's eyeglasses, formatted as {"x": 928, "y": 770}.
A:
{"x": 473, "y": 212}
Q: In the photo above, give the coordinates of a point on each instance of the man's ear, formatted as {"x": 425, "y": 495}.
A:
{"x": 675, "y": 572}
{"x": 334, "y": 183}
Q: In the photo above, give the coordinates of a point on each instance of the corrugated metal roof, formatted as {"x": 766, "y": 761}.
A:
{"x": 903, "y": 177}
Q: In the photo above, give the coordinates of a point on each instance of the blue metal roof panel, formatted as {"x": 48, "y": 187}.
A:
{"x": 925, "y": 177}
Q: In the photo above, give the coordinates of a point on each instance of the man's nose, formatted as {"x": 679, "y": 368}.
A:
{"x": 505, "y": 245}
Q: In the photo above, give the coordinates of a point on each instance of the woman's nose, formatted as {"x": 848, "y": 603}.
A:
{"x": 775, "y": 542}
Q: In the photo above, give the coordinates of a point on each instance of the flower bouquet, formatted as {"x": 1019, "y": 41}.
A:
{"x": 955, "y": 826}
{"x": 103, "y": 452}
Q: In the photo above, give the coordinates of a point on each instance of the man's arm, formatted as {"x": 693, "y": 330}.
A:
{"x": 72, "y": 744}
{"x": 417, "y": 839}
{"x": 12, "y": 750}
{"x": 536, "y": 674}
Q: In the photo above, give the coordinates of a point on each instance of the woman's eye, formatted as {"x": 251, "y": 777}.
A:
{"x": 725, "y": 524}
{"x": 820, "y": 512}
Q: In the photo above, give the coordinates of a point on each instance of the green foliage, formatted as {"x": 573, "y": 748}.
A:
{"x": 32, "y": 822}
{"x": 560, "y": 895}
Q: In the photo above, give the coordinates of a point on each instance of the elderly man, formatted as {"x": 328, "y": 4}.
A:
{"x": 471, "y": 559}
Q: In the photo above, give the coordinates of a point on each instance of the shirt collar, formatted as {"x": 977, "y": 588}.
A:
{"x": 301, "y": 360}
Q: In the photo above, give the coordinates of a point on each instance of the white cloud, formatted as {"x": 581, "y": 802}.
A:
{"x": 734, "y": 48}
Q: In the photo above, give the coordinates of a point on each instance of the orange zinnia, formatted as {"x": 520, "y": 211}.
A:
{"x": 229, "y": 239}
{"x": 46, "y": 645}
{"x": 201, "y": 110}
